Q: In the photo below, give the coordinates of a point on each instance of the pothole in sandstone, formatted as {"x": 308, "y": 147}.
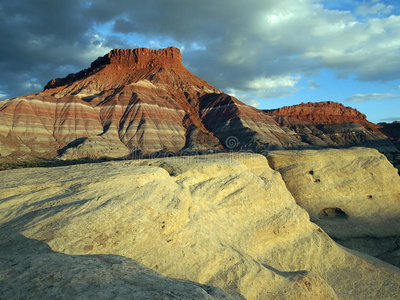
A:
{"x": 333, "y": 213}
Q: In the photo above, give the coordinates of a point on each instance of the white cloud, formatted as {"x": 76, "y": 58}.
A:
{"x": 276, "y": 93}
{"x": 96, "y": 48}
{"x": 244, "y": 97}
{"x": 314, "y": 85}
{"x": 31, "y": 86}
{"x": 378, "y": 8}
{"x": 196, "y": 47}
{"x": 272, "y": 87}
{"x": 265, "y": 83}
{"x": 3, "y": 96}
{"x": 368, "y": 97}
{"x": 390, "y": 119}
{"x": 252, "y": 102}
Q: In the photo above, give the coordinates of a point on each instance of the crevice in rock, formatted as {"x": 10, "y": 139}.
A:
{"x": 333, "y": 213}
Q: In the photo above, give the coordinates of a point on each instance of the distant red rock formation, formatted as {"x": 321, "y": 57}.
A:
{"x": 324, "y": 113}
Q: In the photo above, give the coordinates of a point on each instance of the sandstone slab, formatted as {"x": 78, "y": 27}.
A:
{"x": 227, "y": 221}
{"x": 29, "y": 269}
{"x": 353, "y": 194}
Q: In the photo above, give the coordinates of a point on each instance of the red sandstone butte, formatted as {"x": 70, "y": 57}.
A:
{"x": 324, "y": 113}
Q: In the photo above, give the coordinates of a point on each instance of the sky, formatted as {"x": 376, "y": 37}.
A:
{"x": 267, "y": 53}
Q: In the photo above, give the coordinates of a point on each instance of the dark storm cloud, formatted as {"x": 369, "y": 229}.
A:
{"x": 183, "y": 20}
{"x": 41, "y": 39}
{"x": 259, "y": 46}
{"x": 124, "y": 26}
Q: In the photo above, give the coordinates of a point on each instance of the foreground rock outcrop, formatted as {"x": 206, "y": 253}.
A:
{"x": 227, "y": 221}
{"x": 353, "y": 194}
{"x": 29, "y": 269}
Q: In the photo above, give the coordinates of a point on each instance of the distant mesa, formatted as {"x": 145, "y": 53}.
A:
{"x": 134, "y": 59}
{"x": 328, "y": 112}
{"x": 137, "y": 102}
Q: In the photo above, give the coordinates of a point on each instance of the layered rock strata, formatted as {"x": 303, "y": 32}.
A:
{"x": 242, "y": 127}
{"x": 331, "y": 124}
{"x": 140, "y": 102}
{"x": 132, "y": 101}
{"x": 40, "y": 125}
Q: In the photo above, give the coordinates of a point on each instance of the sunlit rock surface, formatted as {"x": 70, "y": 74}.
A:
{"x": 228, "y": 221}
{"x": 353, "y": 194}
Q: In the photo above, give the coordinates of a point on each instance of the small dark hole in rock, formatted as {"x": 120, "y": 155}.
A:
{"x": 311, "y": 172}
{"x": 369, "y": 196}
{"x": 162, "y": 227}
{"x": 307, "y": 284}
{"x": 317, "y": 180}
{"x": 333, "y": 213}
